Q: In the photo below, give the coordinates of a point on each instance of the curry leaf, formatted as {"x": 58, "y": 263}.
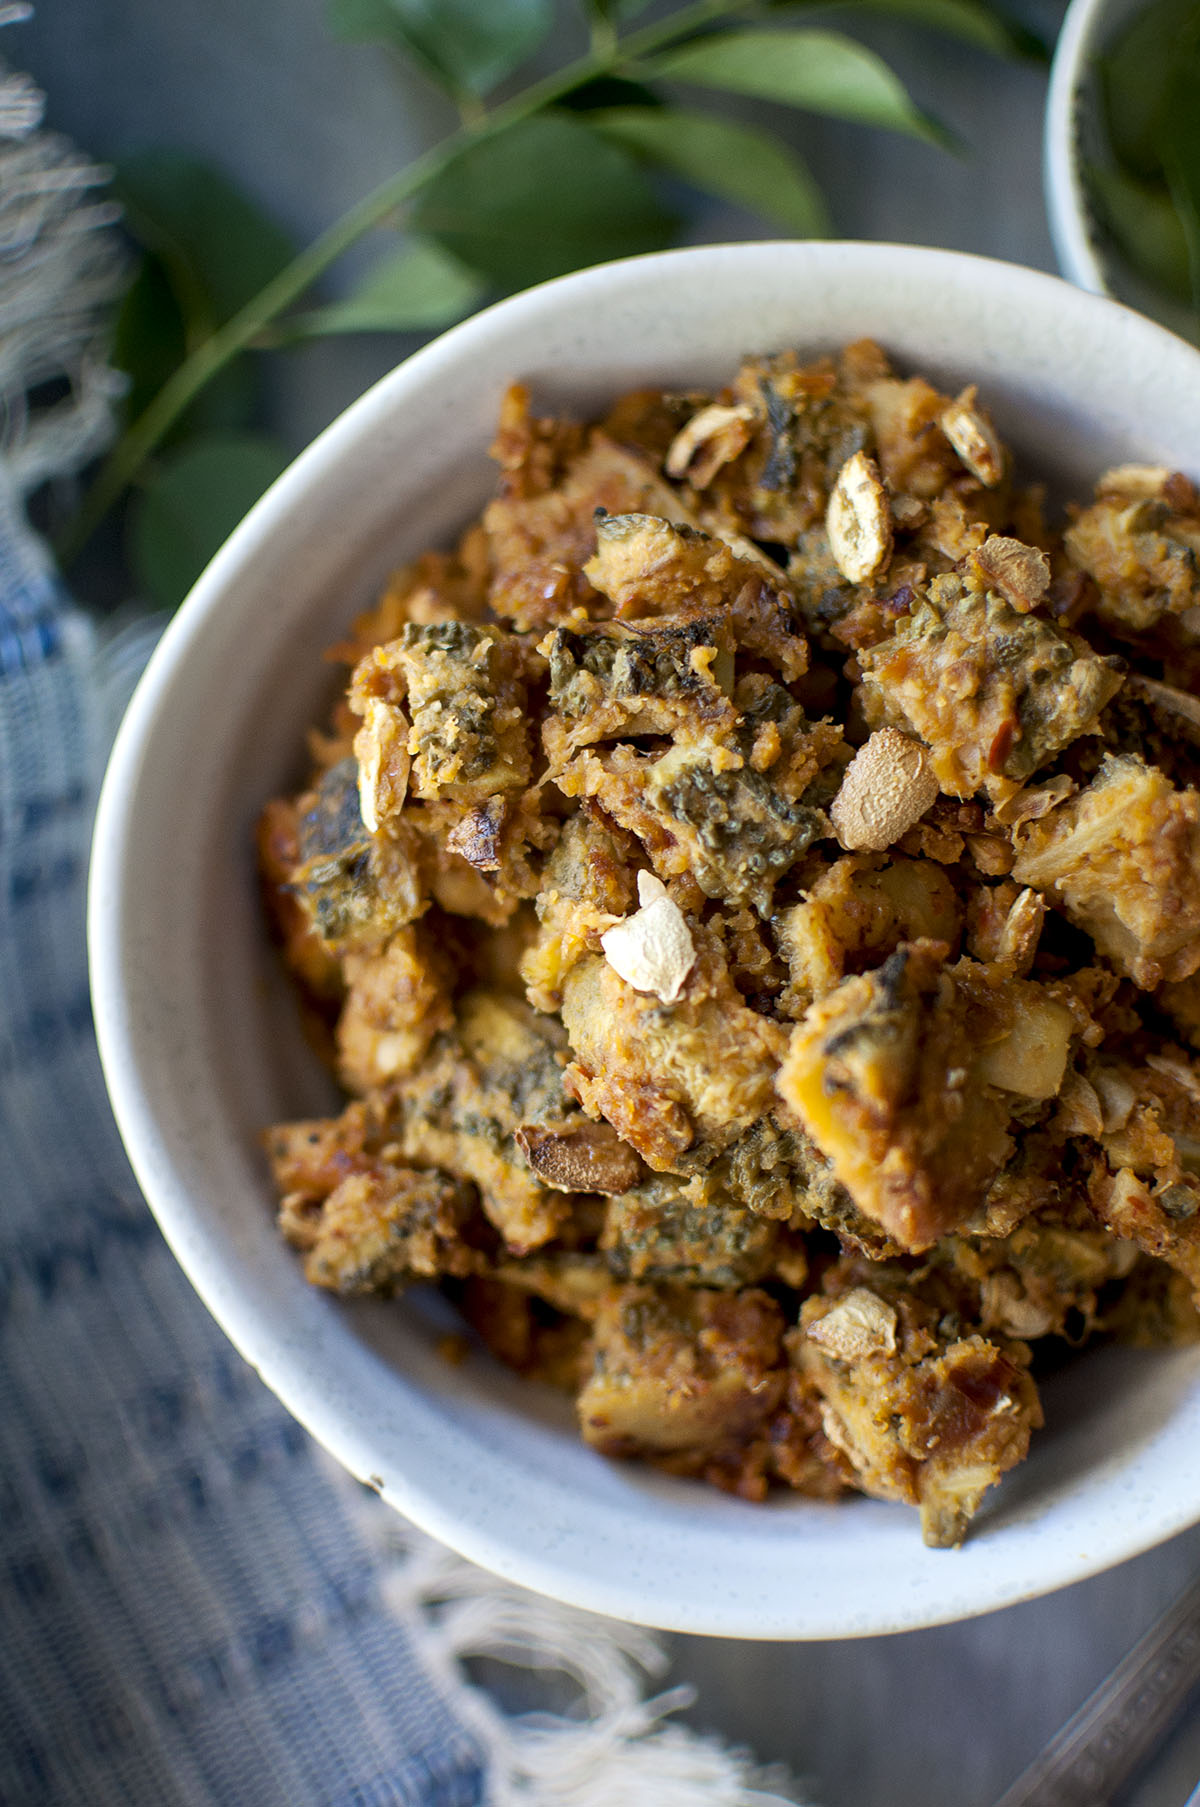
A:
{"x": 820, "y": 71}
{"x": 1143, "y": 220}
{"x": 216, "y": 245}
{"x": 150, "y": 342}
{"x": 618, "y": 10}
{"x": 1134, "y": 74}
{"x": 1179, "y": 145}
{"x": 972, "y": 21}
{"x": 191, "y": 505}
{"x": 420, "y": 286}
{"x": 466, "y": 45}
{"x": 737, "y": 162}
{"x": 609, "y": 91}
{"x": 149, "y": 337}
{"x": 546, "y": 196}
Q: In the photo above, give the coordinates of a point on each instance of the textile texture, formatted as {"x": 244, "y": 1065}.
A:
{"x": 191, "y": 1603}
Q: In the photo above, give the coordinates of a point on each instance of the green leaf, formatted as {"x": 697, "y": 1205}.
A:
{"x": 736, "y": 162}
{"x": 466, "y": 45}
{"x": 971, "y": 21}
{"x": 1134, "y": 74}
{"x": 616, "y": 11}
{"x": 149, "y": 338}
{"x": 216, "y": 245}
{"x": 546, "y": 196}
{"x": 192, "y": 504}
{"x": 1143, "y": 221}
{"x": 820, "y": 71}
{"x": 420, "y": 286}
{"x": 1179, "y": 147}
{"x": 149, "y": 344}
{"x": 609, "y": 91}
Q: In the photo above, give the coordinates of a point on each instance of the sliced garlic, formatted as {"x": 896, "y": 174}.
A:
{"x": 859, "y": 1324}
{"x": 381, "y": 748}
{"x": 973, "y": 437}
{"x": 858, "y": 521}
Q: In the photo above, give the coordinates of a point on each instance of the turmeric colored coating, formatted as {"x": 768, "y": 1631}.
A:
{"x": 750, "y": 893}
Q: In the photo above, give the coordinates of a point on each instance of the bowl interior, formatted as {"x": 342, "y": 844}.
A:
{"x": 199, "y": 1033}
{"x": 1076, "y": 141}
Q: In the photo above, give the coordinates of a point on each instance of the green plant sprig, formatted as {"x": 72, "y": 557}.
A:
{"x": 1147, "y": 191}
{"x": 218, "y": 280}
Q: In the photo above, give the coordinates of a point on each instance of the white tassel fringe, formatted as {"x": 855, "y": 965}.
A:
{"x": 615, "y": 1749}
{"x": 61, "y": 269}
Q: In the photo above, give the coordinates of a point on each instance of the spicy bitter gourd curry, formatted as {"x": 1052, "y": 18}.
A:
{"x": 750, "y": 892}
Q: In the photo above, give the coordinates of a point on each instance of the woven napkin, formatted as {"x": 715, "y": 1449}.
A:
{"x": 196, "y": 1605}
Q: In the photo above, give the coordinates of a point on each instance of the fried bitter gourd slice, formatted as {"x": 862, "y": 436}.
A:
{"x": 308, "y": 958}
{"x": 377, "y": 1231}
{"x": 778, "y": 1172}
{"x": 927, "y": 1418}
{"x": 612, "y": 681}
{"x": 906, "y": 1079}
{"x": 649, "y": 566}
{"x": 1122, "y": 860}
{"x": 1145, "y": 1186}
{"x": 1139, "y": 542}
{"x": 397, "y": 1000}
{"x": 681, "y": 1373}
{"x": 541, "y": 528}
{"x": 680, "y": 1081}
{"x": 365, "y": 1222}
{"x": 994, "y": 693}
{"x": 733, "y": 815}
{"x": 1045, "y": 1278}
{"x": 498, "y": 1069}
{"x": 856, "y": 914}
{"x": 587, "y": 886}
{"x": 805, "y": 421}
{"x": 356, "y": 888}
{"x": 660, "y": 1232}
{"x": 461, "y": 686}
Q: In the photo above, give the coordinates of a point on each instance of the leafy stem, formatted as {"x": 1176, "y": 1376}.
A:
{"x": 581, "y": 166}
{"x": 143, "y": 435}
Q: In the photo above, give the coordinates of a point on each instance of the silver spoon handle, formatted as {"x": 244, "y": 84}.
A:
{"x": 1118, "y": 1726}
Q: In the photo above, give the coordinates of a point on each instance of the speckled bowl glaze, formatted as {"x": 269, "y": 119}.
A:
{"x": 199, "y": 1033}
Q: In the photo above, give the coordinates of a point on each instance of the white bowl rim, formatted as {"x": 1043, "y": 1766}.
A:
{"x": 938, "y": 1600}
{"x": 1067, "y": 207}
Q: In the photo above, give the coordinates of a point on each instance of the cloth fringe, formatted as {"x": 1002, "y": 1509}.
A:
{"x": 62, "y": 267}
{"x": 615, "y": 1746}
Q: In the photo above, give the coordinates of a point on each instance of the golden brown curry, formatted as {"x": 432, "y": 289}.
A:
{"x": 750, "y": 891}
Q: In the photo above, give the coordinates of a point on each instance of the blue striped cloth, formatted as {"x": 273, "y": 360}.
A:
{"x": 191, "y": 1603}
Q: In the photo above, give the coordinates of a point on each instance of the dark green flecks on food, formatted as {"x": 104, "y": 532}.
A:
{"x": 748, "y": 835}
{"x": 461, "y": 639}
{"x": 779, "y": 472}
{"x": 637, "y": 662}
{"x": 658, "y": 1233}
{"x": 356, "y": 889}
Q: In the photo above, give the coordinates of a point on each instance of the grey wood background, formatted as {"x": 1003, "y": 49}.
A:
{"x": 942, "y": 1718}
